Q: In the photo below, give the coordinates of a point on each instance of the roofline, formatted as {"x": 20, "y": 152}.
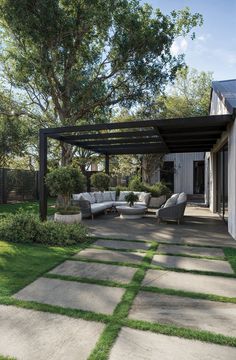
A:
{"x": 227, "y": 104}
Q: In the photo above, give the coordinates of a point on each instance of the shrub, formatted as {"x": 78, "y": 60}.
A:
{"x": 63, "y": 182}
{"x": 131, "y": 198}
{"x": 25, "y": 227}
{"x": 100, "y": 181}
{"x": 135, "y": 184}
{"x": 119, "y": 189}
{"x": 158, "y": 189}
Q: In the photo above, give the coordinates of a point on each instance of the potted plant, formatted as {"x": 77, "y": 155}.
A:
{"x": 100, "y": 181}
{"x": 160, "y": 192}
{"x": 131, "y": 198}
{"x": 63, "y": 182}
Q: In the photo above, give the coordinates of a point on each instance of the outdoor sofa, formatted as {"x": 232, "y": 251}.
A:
{"x": 173, "y": 209}
{"x": 97, "y": 202}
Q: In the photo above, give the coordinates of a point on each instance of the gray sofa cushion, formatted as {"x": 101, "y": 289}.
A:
{"x": 171, "y": 201}
{"x": 98, "y": 207}
{"x": 123, "y": 195}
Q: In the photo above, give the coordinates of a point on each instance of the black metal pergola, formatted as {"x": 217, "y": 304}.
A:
{"x": 179, "y": 135}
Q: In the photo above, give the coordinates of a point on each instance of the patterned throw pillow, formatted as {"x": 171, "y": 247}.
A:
{"x": 113, "y": 195}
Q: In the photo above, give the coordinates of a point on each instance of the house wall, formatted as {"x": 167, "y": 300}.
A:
{"x": 217, "y": 108}
{"x": 183, "y": 176}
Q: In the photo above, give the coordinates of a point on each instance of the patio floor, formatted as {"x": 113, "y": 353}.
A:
{"x": 200, "y": 227}
{"x": 189, "y": 312}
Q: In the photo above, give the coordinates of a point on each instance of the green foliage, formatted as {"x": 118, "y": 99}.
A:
{"x": 119, "y": 189}
{"x": 158, "y": 189}
{"x": 24, "y": 227}
{"x": 72, "y": 61}
{"x": 131, "y": 198}
{"x": 135, "y": 184}
{"x": 155, "y": 190}
{"x": 189, "y": 96}
{"x": 65, "y": 181}
{"x": 100, "y": 181}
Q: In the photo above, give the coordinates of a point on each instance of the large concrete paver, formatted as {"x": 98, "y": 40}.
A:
{"x": 99, "y": 271}
{"x": 215, "y": 285}
{"x": 217, "y": 317}
{"x": 70, "y": 294}
{"x": 129, "y": 245}
{"x": 27, "y": 334}
{"x": 187, "y": 263}
{"x": 143, "y": 345}
{"x": 191, "y": 250}
{"x": 108, "y": 255}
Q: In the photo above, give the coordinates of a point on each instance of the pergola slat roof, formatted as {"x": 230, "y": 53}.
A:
{"x": 146, "y": 136}
{"x": 194, "y": 134}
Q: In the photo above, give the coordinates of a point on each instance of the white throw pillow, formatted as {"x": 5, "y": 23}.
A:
{"x": 76, "y": 196}
{"x": 144, "y": 197}
{"x": 98, "y": 196}
{"x": 123, "y": 195}
{"x": 182, "y": 198}
{"x": 93, "y": 200}
{"x": 113, "y": 195}
{"x": 107, "y": 196}
{"x": 171, "y": 201}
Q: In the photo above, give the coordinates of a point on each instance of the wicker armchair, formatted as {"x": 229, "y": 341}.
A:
{"x": 85, "y": 207}
{"x": 174, "y": 212}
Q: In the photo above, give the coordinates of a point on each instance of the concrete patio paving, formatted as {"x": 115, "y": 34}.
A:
{"x": 217, "y": 317}
{"x": 208, "y": 235}
{"x": 34, "y": 335}
{"x": 215, "y": 285}
{"x": 143, "y": 345}
{"x": 74, "y": 295}
{"x": 200, "y": 227}
{"x": 95, "y": 271}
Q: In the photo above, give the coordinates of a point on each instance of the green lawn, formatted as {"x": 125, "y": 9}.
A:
{"x": 21, "y": 264}
{"x": 32, "y": 206}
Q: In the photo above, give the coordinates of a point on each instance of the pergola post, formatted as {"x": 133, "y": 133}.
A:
{"x": 107, "y": 164}
{"x": 42, "y": 173}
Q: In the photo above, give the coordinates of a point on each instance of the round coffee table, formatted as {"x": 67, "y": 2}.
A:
{"x": 134, "y": 212}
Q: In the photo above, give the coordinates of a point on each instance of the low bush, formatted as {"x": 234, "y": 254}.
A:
{"x": 24, "y": 227}
{"x": 155, "y": 190}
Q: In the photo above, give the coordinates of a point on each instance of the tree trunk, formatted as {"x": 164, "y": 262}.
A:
{"x": 66, "y": 154}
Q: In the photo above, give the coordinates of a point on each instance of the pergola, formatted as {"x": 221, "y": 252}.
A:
{"x": 179, "y": 135}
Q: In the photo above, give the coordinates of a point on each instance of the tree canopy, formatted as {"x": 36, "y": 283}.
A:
{"x": 74, "y": 60}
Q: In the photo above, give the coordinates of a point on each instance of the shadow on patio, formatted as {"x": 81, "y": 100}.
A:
{"x": 200, "y": 227}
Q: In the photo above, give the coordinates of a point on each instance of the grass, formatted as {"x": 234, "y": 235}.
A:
{"x": 32, "y": 206}
{"x": 230, "y": 255}
{"x": 21, "y": 264}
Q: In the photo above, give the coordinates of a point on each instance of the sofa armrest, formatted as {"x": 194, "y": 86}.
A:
{"x": 85, "y": 207}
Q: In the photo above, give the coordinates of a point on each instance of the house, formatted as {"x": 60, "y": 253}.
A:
{"x": 211, "y": 175}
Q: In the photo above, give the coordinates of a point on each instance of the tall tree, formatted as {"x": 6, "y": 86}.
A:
{"x": 76, "y": 59}
{"x": 189, "y": 96}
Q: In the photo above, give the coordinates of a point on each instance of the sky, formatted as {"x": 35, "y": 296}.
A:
{"x": 214, "y": 48}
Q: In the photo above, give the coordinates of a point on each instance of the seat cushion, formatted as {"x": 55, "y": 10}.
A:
{"x": 171, "y": 201}
{"x": 119, "y": 203}
{"x": 98, "y": 207}
{"x": 181, "y": 198}
{"x": 108, "y": 204}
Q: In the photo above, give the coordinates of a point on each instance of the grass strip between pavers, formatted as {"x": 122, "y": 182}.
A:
{"x": 153, "y": 267}
{"x": 119, "y": 318}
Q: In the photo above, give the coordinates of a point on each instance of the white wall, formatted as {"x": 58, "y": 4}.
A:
{"x": 183, "y": 176}
{"x": 232, "y": 180}
{"x": 218, "y": 108}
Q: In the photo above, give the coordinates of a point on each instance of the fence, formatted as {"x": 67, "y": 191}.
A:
{"x": 18, "y": 185}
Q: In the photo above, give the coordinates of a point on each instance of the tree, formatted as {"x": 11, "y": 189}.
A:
{"x": 189, "y": 96}
{"x": 75, "y": 60}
